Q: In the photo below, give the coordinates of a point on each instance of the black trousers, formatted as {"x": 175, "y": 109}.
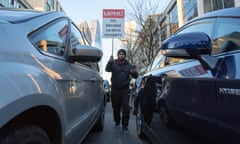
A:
{"x": 120, "y": 104}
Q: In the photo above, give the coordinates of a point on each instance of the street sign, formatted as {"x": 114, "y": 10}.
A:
{"x": 113, "y": 23}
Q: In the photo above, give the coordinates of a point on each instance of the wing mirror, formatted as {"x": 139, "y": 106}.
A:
{"x": 85, "y": 53}
{"x": 187, "y": 45}
{"x": 194, "y": 45}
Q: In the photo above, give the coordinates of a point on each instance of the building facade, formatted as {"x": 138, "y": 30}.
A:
{"x": 46, "y": 5}
{"x": 40, "y": 5}
{"x": 21, "y": 4}
{"x": 178, "y": 12}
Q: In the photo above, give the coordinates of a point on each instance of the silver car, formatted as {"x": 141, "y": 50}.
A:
{"x": 51, "y": 91}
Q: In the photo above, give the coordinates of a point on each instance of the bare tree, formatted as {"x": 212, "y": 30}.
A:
{"x": 146, "y": 46}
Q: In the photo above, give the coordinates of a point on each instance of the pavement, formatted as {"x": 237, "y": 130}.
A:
{"x": 114, "y": 135}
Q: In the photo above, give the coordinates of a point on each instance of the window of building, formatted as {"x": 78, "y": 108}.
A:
{"x": 52, "y": 3}
{"x": 5, "y": 3}
{"x": 164, "y": 33}
{"x": 190, "y": 9}
{"x": 211, "y": 5}
{"x": 48, "y": 8}
{"x": 173, "y": 19}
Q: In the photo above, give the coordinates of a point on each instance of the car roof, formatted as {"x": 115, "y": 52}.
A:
{"x": 228, "y": 12}
{"x": 19, "y": 15}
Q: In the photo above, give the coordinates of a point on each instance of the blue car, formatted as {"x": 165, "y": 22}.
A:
{"x": 199, "y": 89}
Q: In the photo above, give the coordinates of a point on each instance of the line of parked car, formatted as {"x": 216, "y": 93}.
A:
{"x": 194, "y": 80}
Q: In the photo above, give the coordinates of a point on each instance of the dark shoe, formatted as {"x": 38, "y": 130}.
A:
{"x": 125, "y": 130}
{"x": 134, "y": 112}
{"x": 117, "y": 124}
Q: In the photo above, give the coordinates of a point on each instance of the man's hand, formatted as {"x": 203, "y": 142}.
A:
{"x": 133, "y": 69}
{"x": 111, "y": 59}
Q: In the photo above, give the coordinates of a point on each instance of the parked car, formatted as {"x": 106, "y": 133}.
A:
{"x": 134, "y": 87}
{"x": 107, "y": 89}
{"x": 51, "y": 91}
{"x": 222, "y": 27}
{"x": 206, "y": 105}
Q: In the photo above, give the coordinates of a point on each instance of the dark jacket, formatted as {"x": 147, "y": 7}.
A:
{"x": 120, "y": 76}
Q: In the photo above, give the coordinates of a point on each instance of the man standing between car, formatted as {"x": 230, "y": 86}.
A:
{"x": 122, "y": 71}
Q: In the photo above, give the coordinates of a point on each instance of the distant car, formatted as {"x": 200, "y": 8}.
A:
{"x": 51, "y": 91}
{"x": 107, "y": 89}
{"x": 222, "y": 27}
{"x": 134, "y": 87}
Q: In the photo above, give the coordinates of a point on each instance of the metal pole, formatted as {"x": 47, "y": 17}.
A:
{"x": 112, "y": 45}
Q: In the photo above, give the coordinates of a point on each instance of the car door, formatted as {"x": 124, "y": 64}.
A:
{"x": 228, "y": 74}
{"x": 77, "y": 82}
{"x": 228, "y": 96}
{"x": 191, "y": 108}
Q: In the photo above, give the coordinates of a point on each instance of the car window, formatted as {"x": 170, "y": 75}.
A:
{"x": 161, "y": 61}
{"x": 227, "y": 31}
{"x": 172, "y": 60}
{"x": 204, "y": 25}
{"x": 52, "y": 38}
{"x": 158, "y": 61}
{"x": 77, "y": 38}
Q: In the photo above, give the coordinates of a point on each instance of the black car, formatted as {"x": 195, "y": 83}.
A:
{"x": 107, "y": 89}
{"x": 201, "y": 97}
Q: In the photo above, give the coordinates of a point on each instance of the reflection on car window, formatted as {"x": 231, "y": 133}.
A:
{"x": 52, "y": 39}
{"x": 172, "y": 61}
{"x": 161, "y": 61}
{"x": 228, "y": 33}
{"x": 205, "y": 26}
{"x": 158, "y": 61}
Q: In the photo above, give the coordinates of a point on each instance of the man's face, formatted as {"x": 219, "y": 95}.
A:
{"x": 121, "y": 56}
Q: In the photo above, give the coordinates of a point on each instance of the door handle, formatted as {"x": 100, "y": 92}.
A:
{"x": 93, "y": 80}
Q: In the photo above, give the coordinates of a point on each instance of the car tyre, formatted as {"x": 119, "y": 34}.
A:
{"x": 99, "y": 125}
{"x": 27, "y": 134}
{"x": 164, "y": 115}
{"x": 139, "y": 122}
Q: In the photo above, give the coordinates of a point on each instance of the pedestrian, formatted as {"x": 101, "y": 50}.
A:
{"x": 122, "y": 72}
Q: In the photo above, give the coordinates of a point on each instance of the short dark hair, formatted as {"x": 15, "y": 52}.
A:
{"x": 122, "y": 50}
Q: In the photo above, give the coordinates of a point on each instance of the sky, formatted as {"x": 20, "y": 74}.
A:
{"x": 88, "y": 10}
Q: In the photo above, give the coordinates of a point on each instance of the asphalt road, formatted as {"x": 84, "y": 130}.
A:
{"x": 160, "y": 134}
{"x": 114, "y": 135}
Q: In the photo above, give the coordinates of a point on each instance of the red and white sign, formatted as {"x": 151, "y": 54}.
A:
{"x": 113, "y": 13}
{"x": 113, "y": 23}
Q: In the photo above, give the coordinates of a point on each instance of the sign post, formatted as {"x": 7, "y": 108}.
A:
{"x": 113, "y": 24}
